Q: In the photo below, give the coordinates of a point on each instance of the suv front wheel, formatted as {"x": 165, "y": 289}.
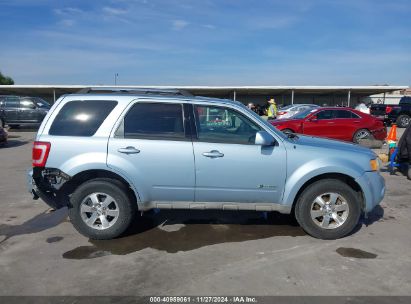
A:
{"x": 328, "y": 209}
{"x": 101, "y": 209}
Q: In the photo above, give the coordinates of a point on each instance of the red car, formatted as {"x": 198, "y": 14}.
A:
{"x": 337, "y": 123}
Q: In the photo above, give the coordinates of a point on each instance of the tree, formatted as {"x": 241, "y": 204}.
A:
{"x": 4, "y": 80}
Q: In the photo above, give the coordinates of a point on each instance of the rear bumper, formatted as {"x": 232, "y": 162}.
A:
{"x": 380, "y": 134}
{"x": 47, "y": 195}
{"x": 373, "y": 187}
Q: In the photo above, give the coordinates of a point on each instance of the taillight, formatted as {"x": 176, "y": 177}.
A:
{"x": 388, "y": 110}
{"x": 40, "y": 153}
{"x": 281, "y": 113}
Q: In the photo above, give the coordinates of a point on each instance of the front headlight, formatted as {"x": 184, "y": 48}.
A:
{"x": 375, "y": 164}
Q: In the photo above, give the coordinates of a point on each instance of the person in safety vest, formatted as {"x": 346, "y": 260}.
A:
{"x": 272, "y": 109}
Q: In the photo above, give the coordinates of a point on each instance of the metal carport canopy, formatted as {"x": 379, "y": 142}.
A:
{"x": 207, "y": 90}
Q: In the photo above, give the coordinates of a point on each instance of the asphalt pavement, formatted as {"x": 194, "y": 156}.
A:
{"x": 196, "y": 253}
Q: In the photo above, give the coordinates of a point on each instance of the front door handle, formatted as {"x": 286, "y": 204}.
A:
{"x": 213, "y": 154}
{"x": 129, "y": 150}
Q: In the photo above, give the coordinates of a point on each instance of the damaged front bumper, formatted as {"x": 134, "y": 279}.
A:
{"x": 46, "y": 184}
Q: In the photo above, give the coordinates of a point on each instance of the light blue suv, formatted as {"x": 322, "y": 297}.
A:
{"x": 107, "y": 155}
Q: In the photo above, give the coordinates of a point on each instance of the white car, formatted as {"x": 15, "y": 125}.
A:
{"x": 290, "y": 110}
{"x": 363, "y": 108}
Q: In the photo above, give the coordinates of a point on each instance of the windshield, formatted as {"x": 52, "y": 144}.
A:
{"x": 303, "y": 114}
{"x": 41, "y": 103}
{"x": 287, "y": 107}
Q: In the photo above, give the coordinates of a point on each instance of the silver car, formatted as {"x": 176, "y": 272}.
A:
{"x": 291, "y": 110}
{"x": 106, "y": 156}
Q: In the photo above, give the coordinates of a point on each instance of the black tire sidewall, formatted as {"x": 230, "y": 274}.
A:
{"x": 303, "y": 207}
{"x": 127, "y": 208}
{"x": 356, "y": 132}
{"x": 287, "y": 131}
{"x": 399, "y": 121}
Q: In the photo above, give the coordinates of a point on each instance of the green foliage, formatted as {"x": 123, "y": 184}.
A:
{"x": 4, "y": 80}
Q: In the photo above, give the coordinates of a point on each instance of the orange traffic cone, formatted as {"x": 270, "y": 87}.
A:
{"x": 392, "y": 136}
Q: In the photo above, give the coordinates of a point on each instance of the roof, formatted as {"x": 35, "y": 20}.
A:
{"x": 208, "y": 90}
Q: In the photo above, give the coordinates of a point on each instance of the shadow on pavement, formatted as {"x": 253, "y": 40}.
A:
{"x": 21, "y": 129}
{"x": 40, "y": 222}
{"x": 181, "y": 230}
{"x": 14, "y": 143}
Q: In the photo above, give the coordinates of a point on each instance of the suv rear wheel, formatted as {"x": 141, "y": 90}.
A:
{"x": 101, "y": 209}
{"x": 328, "y": 209}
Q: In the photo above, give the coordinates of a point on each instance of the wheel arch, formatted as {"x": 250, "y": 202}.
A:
{"x": 349, "y": 180}
{"x": 76, "y": 180}
{"x": 290, "y": 129}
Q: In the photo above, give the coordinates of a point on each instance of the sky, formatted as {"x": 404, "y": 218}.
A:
{"x": 206, "y": 42}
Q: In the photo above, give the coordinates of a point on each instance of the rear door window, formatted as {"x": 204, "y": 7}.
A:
{"x": 345, "y": 114}
{"x": 81, "y": 117}
{"x": 326, "y": 114}
{"x": 155, "y": 121}
{"x": 27, "y": 104}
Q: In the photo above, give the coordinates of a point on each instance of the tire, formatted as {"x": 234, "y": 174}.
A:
{"x": 360, "y": 135}
{"x": 403, "y": 121}
{"x": 307, "y": 207}
{"x": 107, "y": 220}
{"x": 287, "y": 131}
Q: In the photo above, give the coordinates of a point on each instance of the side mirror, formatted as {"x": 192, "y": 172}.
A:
{"x": 313, "y": 118}
{"x": 263, "y": 138}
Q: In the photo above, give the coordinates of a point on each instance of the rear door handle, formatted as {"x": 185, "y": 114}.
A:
{"x": 129, "y": 150}
{"x": 356, "y": 121}
{"x": 213, "y": 154}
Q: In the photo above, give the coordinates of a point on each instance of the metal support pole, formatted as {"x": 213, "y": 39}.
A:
{"x": 54, "y": 96}
{"x": 384, "y": 99}
{"x": 349, "y": 98}
{"x": 292, "y": 97}
{"x": 235, "y": 96}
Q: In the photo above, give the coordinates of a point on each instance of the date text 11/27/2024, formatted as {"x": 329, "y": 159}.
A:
{"x": 203, "y": 299}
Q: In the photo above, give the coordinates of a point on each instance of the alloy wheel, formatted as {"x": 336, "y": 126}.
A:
{"x": 329, "y": 210}
{"x": 99, "y": 211}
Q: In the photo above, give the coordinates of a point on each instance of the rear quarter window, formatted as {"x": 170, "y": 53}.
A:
{"x": 81, "y": 117}
{"x": 405, "y": 100}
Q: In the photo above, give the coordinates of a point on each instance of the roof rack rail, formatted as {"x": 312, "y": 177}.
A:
{"x": 148, "y": 91}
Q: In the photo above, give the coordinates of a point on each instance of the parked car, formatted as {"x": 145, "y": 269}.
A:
{"x": 362, "y": 107}
{"x": 2, "y": 118}
{"x": 16, "y": 110}
{"x": 105, "y": 156}
{"x": 3, "y": 136}
{"x": 399, "y": 114}
{"x": 334, "y": 122}
{"x": 291, "y": 110}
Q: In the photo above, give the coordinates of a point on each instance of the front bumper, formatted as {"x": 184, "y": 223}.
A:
{"x": 41, "y": 190}
{"x": 373, "y": 187}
